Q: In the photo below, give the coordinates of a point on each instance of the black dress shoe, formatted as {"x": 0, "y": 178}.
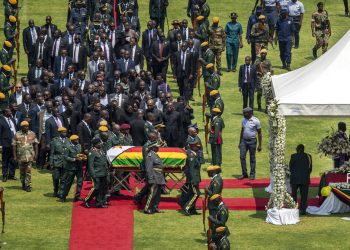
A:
{"x": 186, "y": 212}
{"x": 28, "y": 189}
{"x": 77, "y": 199}
{"x": 148, "y": 212}
{"x": 242, "y": 177}
{"x": 54, "y": 194}
{"x": 4, "y": 179}
{"x": 102, "y": 206}
{"x": 86, "y": 204}
{"x": 12, "y": 178}
{"x": 137, "y": 201}
{"x": 194, "y": 212}
{"x": 252, "y": 177}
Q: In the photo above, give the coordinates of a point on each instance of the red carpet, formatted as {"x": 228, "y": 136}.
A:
{"x": 104, "y": 228}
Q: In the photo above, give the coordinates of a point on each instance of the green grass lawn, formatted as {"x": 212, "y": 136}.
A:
{"x": 36, "y": 221}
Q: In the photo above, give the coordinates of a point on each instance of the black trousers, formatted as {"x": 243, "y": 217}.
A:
{"x": 253, "y": 51}
{"x": 304, "y": 190}
{"x": 160, "y": 22}
{"x": 161, "y": 67}
{"x": 346, "y": 6}
{"x": 248, "y": 95}
{"x": 8, "y": 164}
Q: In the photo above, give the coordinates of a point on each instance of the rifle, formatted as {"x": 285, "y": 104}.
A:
{"x": 115, "y": 15}
{"x": 18, "y": 29}
{"x": 204, "y": 101}
{"x": 209, "y": 235}
{"x": 256, "y": 4}
{"x": 2, "y": 203}
{"x": 14, "y": 75}
{"x": 206, "y": 132}
{"x": 198, "y": 63}
{"x": 204, "y": 208}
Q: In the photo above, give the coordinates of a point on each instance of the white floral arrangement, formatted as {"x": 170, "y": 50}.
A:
{"x": 335, "y": 143}
{"x": 279, "y": 198}
{"x": 343, "y": 169}
{"x": 340, "y": 185}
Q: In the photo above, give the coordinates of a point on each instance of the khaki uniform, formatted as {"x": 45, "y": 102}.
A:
{"x": 321, "y": 22}
{"x": 24, "y": 143}
{"x": 217, "y": 44}
{"x": 260, "y": 36}
{"x": 262, "y": 67}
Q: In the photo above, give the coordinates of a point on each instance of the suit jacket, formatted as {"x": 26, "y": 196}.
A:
{"x": 58, "y": 88}
{"x": 51, "y": 128}
{"x": 123, "y": 98}
{"x": 91, "y": 69}
{"x": 241, "y": 77}
{"x": 27, "y": 39}
{"x": 85, "y": 135}
{"x": 110, "y": 51}
{"x": 147, "y": 42}
{"x": 137, "y": 132}
{"x": 71, "y": 121}
{"x": 13, "y": 99}
{"x": 185, "y": 35}
{"x": 31, "y": 75}
{"x": 52, "y": 30}
{"x": 300, "y": 168}
{"x": 138, "y": 58}
{"x": 62, "y": 44}
{"x": 173, "y": 125}
{"x": 82, "y": 55}
{"x": 57, "y": 65}
{"x": 5, "y": 132}
{"x": 65, "y": 36}
{"x": 155, "y": 52}
{"x": 88, "y": 100}
{"x": 121, "y": 65}
{"x": 25, "y": 110}
{"x": 46, "y": 53}
{"x": 190, "y": 66}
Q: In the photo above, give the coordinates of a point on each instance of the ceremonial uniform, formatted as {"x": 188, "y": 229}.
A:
{"x": 10, "y": 33}
{"x": 233, "y": 33}
{"x": 72, "y": 167}
{"x": 207, "y": 57}
{"x": 213, "y": 84}
{"x": 155, "y": 177}
{"x": 215, "y": 187}
{"x": 215, "y": 139}
{"x": 223, "y": 244}
{"x": 321, "y": 23}
{"x": 24, "y": 143}
{"x": 218, "y": 219}
{"x": 262, "y": 67}
{"x": 5, "y": 57}
{"x": 57, "y": 149}
{"x": 148, "y": 128}
{"x": 204, "y": 10}
{"x": 217, "y": 44}
{"x": 218, "y": 103}
{"x": 193, "y": 9}
{"x": 98, "y": 170}
{"x": 260, "y": 36}
{"x": 9, "y": 10}
{"x": 201, "y": 32}
{"x": 5, "y": 84}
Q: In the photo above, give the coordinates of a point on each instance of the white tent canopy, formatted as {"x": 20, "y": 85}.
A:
{"x": 321, "y": 88}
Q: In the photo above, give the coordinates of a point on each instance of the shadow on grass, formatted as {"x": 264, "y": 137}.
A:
{"x": 15, "y": 187}
{"x": 309, "y": 58}
{"x": 44, "y": 171}
{"x": 50, "y": 195}
{"x": 202, "y": 241}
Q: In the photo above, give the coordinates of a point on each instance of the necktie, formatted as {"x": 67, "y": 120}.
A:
{"x": 33, "y": 31}
{"x": 54, "y": 48}
{"x": 96, "y": 66}
{"x": 183, "y": 60}
{"x": 126, "y": 65}
{"x": 40, "y": 51}
{"x": 12, "y": 126}
{"x": 63, "y": 62}
{"x": 58, "y": 122}
{"x": 37, "y": 73}
{"x": 49, "y": 31}
{"x": 62, "y": 83}
{"x": 105, "y": 51}
{"x": 75, "y": 53}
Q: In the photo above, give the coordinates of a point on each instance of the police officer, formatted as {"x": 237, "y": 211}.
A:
{"x": 215, "y": 137}
{"x": 285, "y": 30}
{"x": 57, "y": 150}
{"x": 296, "y": 12}
{"x": 25, "y": 151}
{"x": 321, "y": 29}
{"x": 217, "y": 42}
{"x": 155, "y": 177}
{"x": 207, "y": 57}
{"x": 233, "y": 31}
{"x": 97, "y": 167}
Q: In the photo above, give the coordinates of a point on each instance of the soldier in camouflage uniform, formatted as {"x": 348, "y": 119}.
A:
{"x": 79, "y": 17}
{"x": 262, "y": 65}
{"x": 57, "y": 149}
{"x": 207, "y": 57}
{"x": 213, "y": 83}
{"x": 5, "y": 57}
{"x": 201, "y": 31}
{"x": 321, "y": 29}
{"x": 260, "y": 35}
{"x": 217, "y": 42}
{"x": 25, "y": 151}
{"x": 10, "y": 32}
{"x": 215, "y": 136}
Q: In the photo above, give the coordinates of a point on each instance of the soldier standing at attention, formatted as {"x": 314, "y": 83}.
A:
{"x": 215, "y": 187}
{"x": 5, "y": 57}
{"x": 155, "y": 177}
{"x": 260, "y": 35}
{"x": 234, "y": 42}
{"x": 247, "y": 142}
{"x": 217, "y": 42}
{"x": 222, "y": 242}
{"x": 207, "y": 57}
{"x": 201, "y": 31}
{"x": 72, "y": 166}
{"x": 97, "y": 167}
{"x": 58, "y": 147}
{"x": 262, "y": 65}
{"x": 321, "y": 29}
{"x": 157, "y": 11}
{"x": 10, "y": 32}
{"x": 219, "y": 217}
{"x": 216, "y": 100}
{"x": 213, "y": 83}
{"x": 215, "y": 136}
{"x": 25, "y": 151}
{"x": 5, "y": 74}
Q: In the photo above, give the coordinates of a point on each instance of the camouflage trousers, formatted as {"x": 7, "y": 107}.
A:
{"x": 322, "y": 37}
{"x": 217, "y": 54}
{"x": 25, "y": 169}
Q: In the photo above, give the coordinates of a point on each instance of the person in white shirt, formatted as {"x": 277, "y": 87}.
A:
{"x": 296, "y": 12}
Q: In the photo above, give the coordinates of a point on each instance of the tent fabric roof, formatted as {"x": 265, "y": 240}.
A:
{"x": 321, "y": 88}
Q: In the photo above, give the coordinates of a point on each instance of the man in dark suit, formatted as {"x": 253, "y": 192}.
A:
{"x": 78, "y": 53}
{"x": 85, "y": 132}
{"x": 7, "y": 131}
{"x": 71, "y": 119}
{"x": 137, "y": 129}
{"x": 50, "y": 27}
{"x": 184, "y": 69}
{"x": 136, "y": 54}
{"x": 83, "y": 83}
{"x": 148, "y": 36}
{"x": 185, "y": 30}
{"x": 35, "y": 72}
{"x": 52, "y": 124}
{"x": 58, "y": 43}
{"x": 160, "y": 56}
{"x": 173, "y": 125}
{"x": 26, "y": 105}
{"x": 42, "y": 51}
{"x": 300, "y": 166}
{"x": 61, "y": 63}
{"x": 125, "y": 64}
{"x": 247, "y": 82}
{"x": 106, "y": 47}
{"x": 62, "y": 84}
{"x": 30, "y": 35}
{"x": 69, "y": 35}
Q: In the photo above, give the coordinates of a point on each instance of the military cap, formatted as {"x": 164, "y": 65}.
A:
{"x": 6, "y": 68}
{"x": 8, "y": 44}
{"x": 24, "y": 123}
{"x": 200, "y": 18}
{"x": 13, "y": 1}
{"x": 215, "y": 19}
{"x": 175, "y": 22}
{"x": 96, "y": 141}
{"x": 103, "y": 123}
{"x": 12, "y": 19}
{"x": 214, "y": 197}
{"x": 209, "y": 66}
{"x": 159, "y": 125}
{"x": 213, "y": 168}
{"x": 62, "y": 129}
{"x": 220, "y": 229}
{"x": 124, "y": 126}
{"x": 2, "y": 96}
{"x": 74, "y": 137}
{"x": 216, "y": 110}
{"x": 233, "y": 15}
{"x": 204, "y": 44}
{"x": 214, "y": 92}
{"x": 103, "y": 129}
{"x": 262, "y": 17}
{"x": 247, "y": 109}
{"x": 263, "y": 51}
{"x": 193, "y": 126}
